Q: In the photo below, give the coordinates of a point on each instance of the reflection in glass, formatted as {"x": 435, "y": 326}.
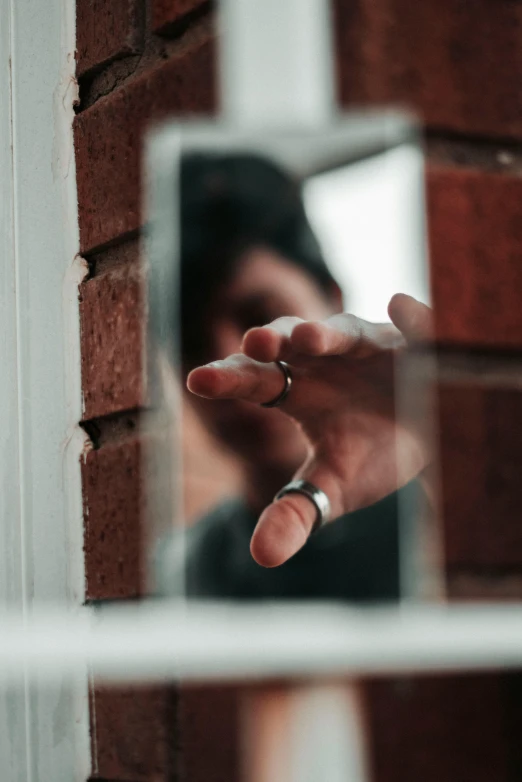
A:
{"x": 259, "y": 243}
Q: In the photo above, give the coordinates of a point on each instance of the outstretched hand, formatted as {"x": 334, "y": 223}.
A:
{"x": 342, "y": 396}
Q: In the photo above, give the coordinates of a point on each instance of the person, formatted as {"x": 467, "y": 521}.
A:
{"x": 300, "y": 390}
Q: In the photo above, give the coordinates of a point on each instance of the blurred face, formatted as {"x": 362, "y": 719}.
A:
{"x": 264, "y": 287}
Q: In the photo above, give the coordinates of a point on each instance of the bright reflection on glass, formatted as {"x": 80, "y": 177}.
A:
{"x": 370, "y": 227}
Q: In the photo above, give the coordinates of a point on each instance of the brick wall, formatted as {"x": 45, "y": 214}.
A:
{"x": 459, "y": 64}
{"x": 136, "y": 61}
{"x": 434, "y": 57}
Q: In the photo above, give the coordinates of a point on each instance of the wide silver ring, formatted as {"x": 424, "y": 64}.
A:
{"x": 315, "y": 495}
{"x": 285, "y": 369}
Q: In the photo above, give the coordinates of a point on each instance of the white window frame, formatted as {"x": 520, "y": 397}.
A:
{"x": 43, "y": 731}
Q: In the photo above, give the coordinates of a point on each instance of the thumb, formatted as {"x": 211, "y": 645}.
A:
{"x": 411, "y": 317}
{"x": 286, "y": 524}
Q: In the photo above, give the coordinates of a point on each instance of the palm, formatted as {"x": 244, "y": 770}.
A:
{"x": 347, "y": 409}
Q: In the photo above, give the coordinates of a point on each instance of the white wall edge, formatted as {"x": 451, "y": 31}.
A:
{"x": 76, "y": 709}
{"x": 48, "y": 378}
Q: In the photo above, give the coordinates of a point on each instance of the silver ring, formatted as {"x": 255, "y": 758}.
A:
{"x": 285, "y": 369}
{"x": 315, "y": 495}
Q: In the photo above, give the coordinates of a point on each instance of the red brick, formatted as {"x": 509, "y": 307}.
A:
{"x": 475, "y": 247}
{"x": 166, "y": 13}
{"x": 109, "y": 139}
{"x": 439, "y": 728}
{"x": 106, "y": 31}
{"x": 112, "y": 312}
{"x": 481, "y": 465}
{"x": 458, "y": 63}
{"x": 209, "y": 734}
{"x": 496, "y": 586}
{"x": 133, "y": 733}
{"x": 113, "y": 498}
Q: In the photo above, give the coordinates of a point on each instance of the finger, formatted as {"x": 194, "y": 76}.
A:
{"x": 283, "y": 528}
{"x": 285, "y": 525}
{"x": 343, "y": 334}
{"x": 270, "y": 342}
{"x": 413, "y": 319}
{"x": 237, "y": 377}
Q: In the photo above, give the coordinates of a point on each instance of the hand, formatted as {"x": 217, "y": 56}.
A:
{"x": 343, "y": 398}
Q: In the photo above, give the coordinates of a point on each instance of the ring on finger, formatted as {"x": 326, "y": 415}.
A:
{"x": 316, "y": 496}
{"x": 285, "y": 369}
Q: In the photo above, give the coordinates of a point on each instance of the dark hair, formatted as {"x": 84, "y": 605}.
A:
{"x": 230, "y": 203}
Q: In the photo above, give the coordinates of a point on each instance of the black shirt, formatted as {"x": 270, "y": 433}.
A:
{"x": 354, "y": 558}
